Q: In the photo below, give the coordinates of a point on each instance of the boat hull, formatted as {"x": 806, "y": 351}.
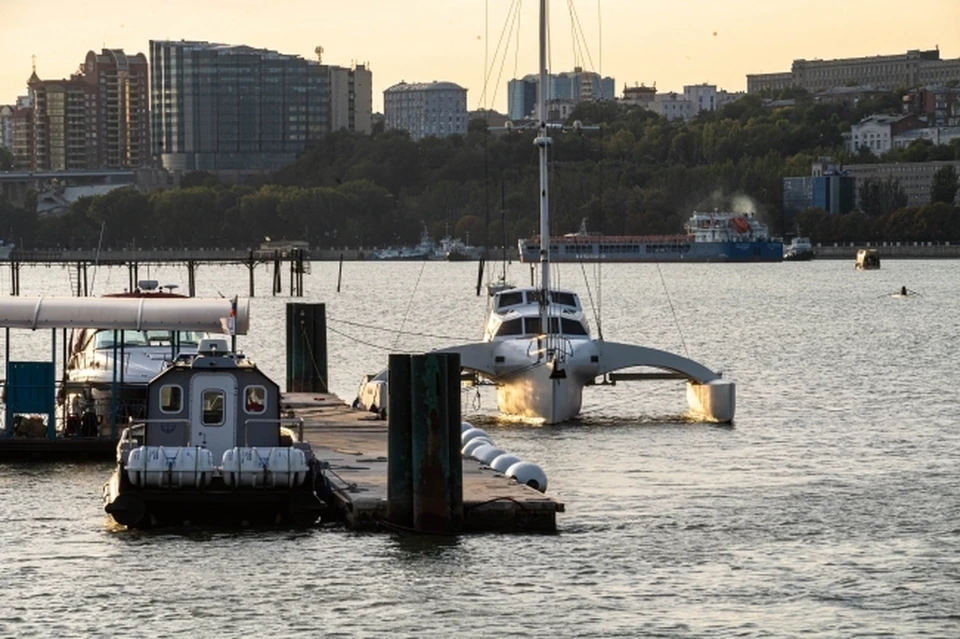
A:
{"x": 642, "y": 251}
{"x": 216, "y": 504}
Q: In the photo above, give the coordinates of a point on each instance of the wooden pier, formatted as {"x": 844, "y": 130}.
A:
{"x": 354, "y": 443}
{"x": 80, "y": 262}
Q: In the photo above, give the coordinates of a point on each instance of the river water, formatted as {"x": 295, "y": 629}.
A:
{"x": 829, "y": 509}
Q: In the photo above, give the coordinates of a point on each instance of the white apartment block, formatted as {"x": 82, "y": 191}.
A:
{"x": 936, "y": 134}
{"x": 877, "y": 132}
{"x": 672, "y": 106}
{"x": 426, "y": 109}
{"x": 916, "y": 178}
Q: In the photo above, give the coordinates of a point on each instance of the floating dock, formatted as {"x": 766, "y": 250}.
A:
{"x": 354, "y": 443}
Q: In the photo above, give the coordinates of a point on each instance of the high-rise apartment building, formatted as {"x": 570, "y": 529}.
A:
{"x": 218, "y": 107}
{"x": 910, "y": 69}
{"x": 351, "y": 98}
{"x": 425, "y": 109}
{"x": 577, "y": 85}
{"x": 123, "y": 115}
{"x": 6, "y": 126}
{"x": 97, "y": 118}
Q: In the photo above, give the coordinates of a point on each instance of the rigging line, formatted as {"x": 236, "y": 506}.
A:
{"x": 357, "y": 340}
{"x": 486, "y": 50}
{"x": 391, "y": 330}
{"x": 516, "y": 52}
{"x": 672, "y": 310}
{"x": 596, "y": 310}
{"x": 96, "y": 261}
{"x": 503, "y": 61}
{"x": 487, "y": 72}
{"x": 600, "y": 51}
{"x": 409, "y": 305}
{"x": 576, "y": 18}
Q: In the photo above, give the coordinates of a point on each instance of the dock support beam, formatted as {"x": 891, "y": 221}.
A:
{"x": 191, "y": 278}
{"x": 306, "y": 348}
{"x": 399, "y": 443}
{"x": 437, "y": 463}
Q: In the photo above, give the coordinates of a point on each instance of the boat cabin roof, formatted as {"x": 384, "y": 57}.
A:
{"x": 507, "y": 300}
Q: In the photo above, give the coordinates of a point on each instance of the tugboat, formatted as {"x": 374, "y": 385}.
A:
{"x": 799, "y": 250}
{"x": 214, "y": 449}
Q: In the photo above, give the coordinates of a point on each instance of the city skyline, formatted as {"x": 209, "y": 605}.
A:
{"x": 687, "y": 41}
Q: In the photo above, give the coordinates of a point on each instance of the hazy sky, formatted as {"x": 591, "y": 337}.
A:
{"x": 669, "y": 42}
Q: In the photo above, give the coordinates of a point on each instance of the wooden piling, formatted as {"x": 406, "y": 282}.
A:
{"x": 435, "y": 507}
{"x": 306, "y": 348}
{"x": 399, "y": 443}
{"x": 340, "y": 273}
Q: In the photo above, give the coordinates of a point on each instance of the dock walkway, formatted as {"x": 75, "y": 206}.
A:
{"x": 354, "y": 443}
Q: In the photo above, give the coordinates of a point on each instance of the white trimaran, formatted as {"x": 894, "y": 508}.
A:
{"x": 537, "y": 347}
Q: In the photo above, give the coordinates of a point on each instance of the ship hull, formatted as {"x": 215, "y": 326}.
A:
{"x": 640, "y": 251}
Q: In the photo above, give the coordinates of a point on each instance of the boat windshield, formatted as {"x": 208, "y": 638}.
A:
{"x": 531, "y": 326}
{"x": 107, "y": 339}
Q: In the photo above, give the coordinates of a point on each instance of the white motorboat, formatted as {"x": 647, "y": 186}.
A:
{"x": 6, "y": 250}
{"x": 96, "y": 390}
{"x": 798, "y": 250}
{"x": 537, "y": 348}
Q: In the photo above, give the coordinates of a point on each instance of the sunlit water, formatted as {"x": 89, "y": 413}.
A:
{"x": 830, "y": 508}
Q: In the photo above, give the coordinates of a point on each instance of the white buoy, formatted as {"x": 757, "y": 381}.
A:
{"x": 503, "y": 462}
{"x": 465, "y": 426}
{"x": 528, "y": 473}
{"x": 486, "y": 453}
{"x": 473, "y": 444}
{"x": 467, "y": 435}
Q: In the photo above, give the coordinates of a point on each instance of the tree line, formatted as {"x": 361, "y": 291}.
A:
{"x": 638, "y": 173}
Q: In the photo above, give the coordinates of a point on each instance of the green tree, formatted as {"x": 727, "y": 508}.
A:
{"x": 944, "y": 187}
{"x": 880, "y": 196}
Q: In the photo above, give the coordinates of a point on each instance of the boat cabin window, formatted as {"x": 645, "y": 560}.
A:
{"x": 255, "y": 399}
{"x": 564, "y": 298}
{"x": 171, "y": 399}
{"x": 511, "y": 327}
{"x": 573, "y": 327}
{"x": 213, "y": 407}
{"x": 105, "y": 339}
{"x": 508, "y": 299}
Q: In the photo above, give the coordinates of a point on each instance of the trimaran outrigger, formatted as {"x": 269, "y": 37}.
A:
{"x": 537, "y": 348}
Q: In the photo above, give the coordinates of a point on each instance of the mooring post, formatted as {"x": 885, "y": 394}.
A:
{"x": 191, "y": 278}
{"x": 251, "y": 266}
{"x": 436, "y": 477}
{"x": 306, "y": 348}
{"x": 340, "y": 273}
{"x": 399, "y": 443}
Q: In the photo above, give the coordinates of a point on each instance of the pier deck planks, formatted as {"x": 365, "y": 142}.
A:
{"x": 354, "y": 442}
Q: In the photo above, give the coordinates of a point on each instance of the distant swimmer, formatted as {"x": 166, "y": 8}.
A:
{"x": 903, "y": 290}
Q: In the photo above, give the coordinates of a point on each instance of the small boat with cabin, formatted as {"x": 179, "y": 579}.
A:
{"x": 799, "y": 250}
{"x": 868, "y": 260}
{"x": 214, "y": 449}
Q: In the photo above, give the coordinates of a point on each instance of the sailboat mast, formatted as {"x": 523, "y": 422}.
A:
{"x": 543, "y": 142}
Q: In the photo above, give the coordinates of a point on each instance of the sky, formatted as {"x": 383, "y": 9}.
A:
{"x": 670, "y": 43}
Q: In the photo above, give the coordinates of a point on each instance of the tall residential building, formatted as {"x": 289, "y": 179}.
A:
{"x": 577, "y": 85}
{"x": 217, "y": 107}
{"x": 6, "y": 126}
{"x": 829, "y": 187}
{"x": 97, "y": 118}
{"x": 641, "y": 95}
{"x": 65, "y": 134}
{"x": 123, "y": 117}
{"x": 22, "y": 126}
{"x": 426, "y": 109}
{"x": 351, "y": 98}
{"x": 910, "y": 69}
{"x": 939, "y": 104}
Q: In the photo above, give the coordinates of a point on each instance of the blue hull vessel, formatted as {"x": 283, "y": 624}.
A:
{"x": 710, "y": 237}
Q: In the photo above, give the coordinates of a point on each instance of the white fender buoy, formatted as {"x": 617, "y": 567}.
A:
{"x": 473, "y": 444}
{"x": 503, "y": 462}
{"x": 464, "y": 427}
{"x": 467, "y": 435}
{"x": 528, "y": 473}
{"x": 486, "y": 453}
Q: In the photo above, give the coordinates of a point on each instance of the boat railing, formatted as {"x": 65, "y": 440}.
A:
{"x": 280, "y": 421}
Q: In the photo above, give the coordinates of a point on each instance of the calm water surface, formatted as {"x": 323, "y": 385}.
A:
{"x": 830, "y": 508}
